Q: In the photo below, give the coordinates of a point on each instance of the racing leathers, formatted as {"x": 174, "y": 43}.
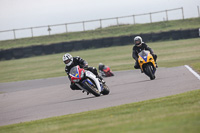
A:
{"x": 83, "y": 64}
{"x": 138, "y": 49}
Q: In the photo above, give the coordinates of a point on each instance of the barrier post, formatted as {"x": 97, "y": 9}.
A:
{"x": 83, "y": 26}
{"x": 66, "y": 28}
{"x": 166, "y": 15}
{"x": 182, "y": 12}
{"x": 32, "y": 32}
{"x": 133, "y": 19}
{"x": 49, "y": 30}
{"x": 14, "y": 33}
{"x": 150, "y": 17}
{"x": 117, "y": 21}
{"x": 100, "y": 21}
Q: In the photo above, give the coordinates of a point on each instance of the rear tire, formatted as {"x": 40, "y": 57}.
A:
{"x": 111, "y": 74}
{"x": 92, "y": 89}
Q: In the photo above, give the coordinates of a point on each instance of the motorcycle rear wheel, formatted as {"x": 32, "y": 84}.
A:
{"x": 106, "y": 90}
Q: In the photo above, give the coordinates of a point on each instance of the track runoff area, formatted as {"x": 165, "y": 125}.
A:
{"x": 37, "y": 99}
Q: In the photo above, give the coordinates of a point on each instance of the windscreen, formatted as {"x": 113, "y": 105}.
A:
{"x": 73, "y": 70}
{"x": 105, "y": 67}
{"x": 143, "y": 53}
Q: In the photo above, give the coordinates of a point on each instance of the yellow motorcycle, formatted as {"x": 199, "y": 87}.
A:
{"x": 147, "y": 64}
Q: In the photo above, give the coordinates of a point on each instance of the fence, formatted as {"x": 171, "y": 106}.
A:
{"x": 23, "y": 52}
{"x": 47, "y": 30}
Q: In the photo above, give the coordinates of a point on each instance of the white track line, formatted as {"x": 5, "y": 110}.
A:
{"x": 192, "y": 71}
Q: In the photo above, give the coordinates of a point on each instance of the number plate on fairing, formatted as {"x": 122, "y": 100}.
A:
{"x": 88, "y": 73}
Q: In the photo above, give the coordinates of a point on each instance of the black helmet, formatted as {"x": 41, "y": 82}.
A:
{"x": 138, "y": 41}
{"x": 101, "y": 66}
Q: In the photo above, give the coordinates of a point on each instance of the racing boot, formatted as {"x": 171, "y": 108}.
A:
{"x": 156, "y": 64}
{"x": 74, "y": 87}
{"x": 87, "y": 92}
{"x": 141, "y": 70}
{"x": 101, "y": 79}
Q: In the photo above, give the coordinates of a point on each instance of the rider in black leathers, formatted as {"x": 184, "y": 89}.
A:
{"x": 138, "y": 47}
{"x": 74, "y": 61}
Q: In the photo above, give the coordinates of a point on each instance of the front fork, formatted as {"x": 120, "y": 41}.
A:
{"x": 91, "y": 83}
{"x": 152, "y": 65}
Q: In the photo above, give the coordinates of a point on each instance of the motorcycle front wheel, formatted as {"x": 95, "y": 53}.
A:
{"x": 92, "y": 89}
{"x": 149, "y": 72}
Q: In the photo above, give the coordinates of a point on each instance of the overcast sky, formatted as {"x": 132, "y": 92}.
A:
{"x": 16, "y": 14}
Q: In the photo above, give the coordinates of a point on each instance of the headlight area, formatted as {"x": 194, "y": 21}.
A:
{"x": 76, "y": 80}
{"x": 82, "y": 74}
{"x": 141, "y": 60}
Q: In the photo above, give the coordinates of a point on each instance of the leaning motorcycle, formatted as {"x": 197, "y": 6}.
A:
{"x": 88, "y": 82}
{"x": 106, "y": 72}
{"x": 147, "y": 64}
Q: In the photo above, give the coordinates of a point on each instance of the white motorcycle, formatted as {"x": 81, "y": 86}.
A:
{"x": 88, "y": 82}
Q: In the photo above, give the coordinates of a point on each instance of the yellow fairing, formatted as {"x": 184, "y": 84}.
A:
{"x": 141, "y": 61}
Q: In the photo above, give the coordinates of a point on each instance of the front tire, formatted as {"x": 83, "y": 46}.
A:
{"x": 92, "y": 89}
{"x": 149, "y": 72}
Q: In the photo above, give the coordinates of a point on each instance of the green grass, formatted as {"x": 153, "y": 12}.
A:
{"x": 112, "y": 31}
{"x": 196, "y": 66}
{"x": 175, "y": 114}
{"x": 170, "y": 54}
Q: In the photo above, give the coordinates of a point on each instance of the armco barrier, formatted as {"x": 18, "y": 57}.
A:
{"x": 185, "y": 34}
{"x": 146, "y": 37}
{"x": 23, "y": 52}
{"x": 58, "y": 48}
{"x": 97, "y": 43}
{"x": 165, "y": 36}
{"x": 7, "y": 54}
{"x": 176, "y": 35}
{"x": 87, "y": 44}
{"x": 48, "y": 49}
{"x": 68, "y": 46}
{"x": 107, "y": 42}
{"x": 155, "y": 37}
{"x": 116, "y": 41}
{"x": 194, "y": 33}
{"x": 37, "y": 50}
{"x": 18, "y": 53}
{"x": 27, "y": 51}
{"x": 78, "y": 45}
{"x": 126, "y": 39}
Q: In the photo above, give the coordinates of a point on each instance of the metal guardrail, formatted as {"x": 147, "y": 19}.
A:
{"x": 97, "y": 20}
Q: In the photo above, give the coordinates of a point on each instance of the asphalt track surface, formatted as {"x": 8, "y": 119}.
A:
{"x": 37, "y": 99}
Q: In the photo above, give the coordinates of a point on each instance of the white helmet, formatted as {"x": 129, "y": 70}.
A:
{"x": 67, "y": 59}
{"x": 138, "y": 41}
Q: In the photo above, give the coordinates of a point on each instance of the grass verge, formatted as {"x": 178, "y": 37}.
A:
{"x": 177, "y": 113}
{"x": 170, "y": 54}
{"x": 196, "y": 66}
{"x": 112, "y": 31}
